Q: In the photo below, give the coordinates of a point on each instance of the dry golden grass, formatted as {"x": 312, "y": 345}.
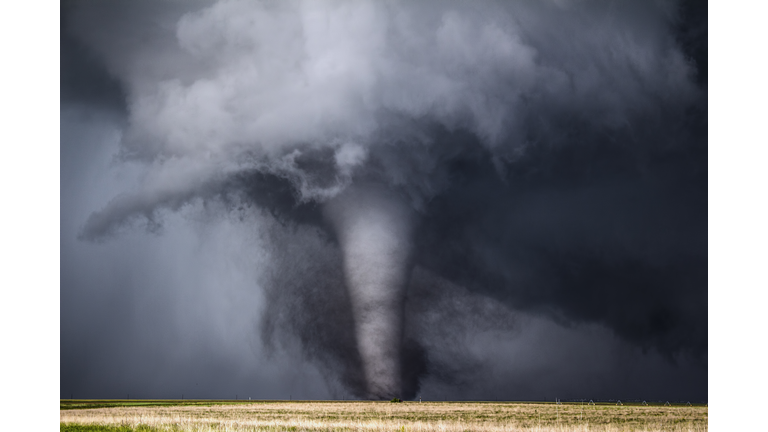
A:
{"x": 403, "y": 417}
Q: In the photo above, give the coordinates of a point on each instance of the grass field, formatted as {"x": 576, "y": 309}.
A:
{"x": 168, "y": 415}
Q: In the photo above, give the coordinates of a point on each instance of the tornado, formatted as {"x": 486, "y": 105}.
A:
{"x": 373, "y": 226}
{"x": 579, "y": 130}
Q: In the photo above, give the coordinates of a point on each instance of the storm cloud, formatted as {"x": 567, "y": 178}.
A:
{"x": 392, "y": 191}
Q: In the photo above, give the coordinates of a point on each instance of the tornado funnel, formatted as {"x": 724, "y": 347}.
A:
{"x": 373, "y": 226}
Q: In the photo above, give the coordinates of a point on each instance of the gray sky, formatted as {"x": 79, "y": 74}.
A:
{"x": 554, "y": 156}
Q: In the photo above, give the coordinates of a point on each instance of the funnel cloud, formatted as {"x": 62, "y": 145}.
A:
{"x": 390, "y": 198}
{"x": 374, "y": 235}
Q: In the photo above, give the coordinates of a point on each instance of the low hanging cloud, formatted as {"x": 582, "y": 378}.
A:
{"x": 263, "y": 84}
{"x": 547, "y": 156}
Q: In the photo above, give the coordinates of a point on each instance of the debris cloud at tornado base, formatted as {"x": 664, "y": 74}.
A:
{"x": 548, "y": 157}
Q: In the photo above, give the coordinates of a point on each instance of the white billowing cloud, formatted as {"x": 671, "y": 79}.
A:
{"x": 208, "y": 85}
{"x": 349, "y": 156}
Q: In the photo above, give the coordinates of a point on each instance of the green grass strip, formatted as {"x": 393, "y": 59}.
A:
{"x": 105, "y": 428}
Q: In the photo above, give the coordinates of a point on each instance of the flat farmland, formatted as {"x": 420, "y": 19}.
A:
{"x": 164, "y": 415}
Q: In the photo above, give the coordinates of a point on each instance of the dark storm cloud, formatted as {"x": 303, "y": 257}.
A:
{"x": 597, "y": 237}
{"x": 83, "y": 77}
{"x": 159, "y": 315}
{"x": 554, "y": 156}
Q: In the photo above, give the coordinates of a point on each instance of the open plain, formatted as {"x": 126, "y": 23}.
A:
{"x": 164, "y": 415}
